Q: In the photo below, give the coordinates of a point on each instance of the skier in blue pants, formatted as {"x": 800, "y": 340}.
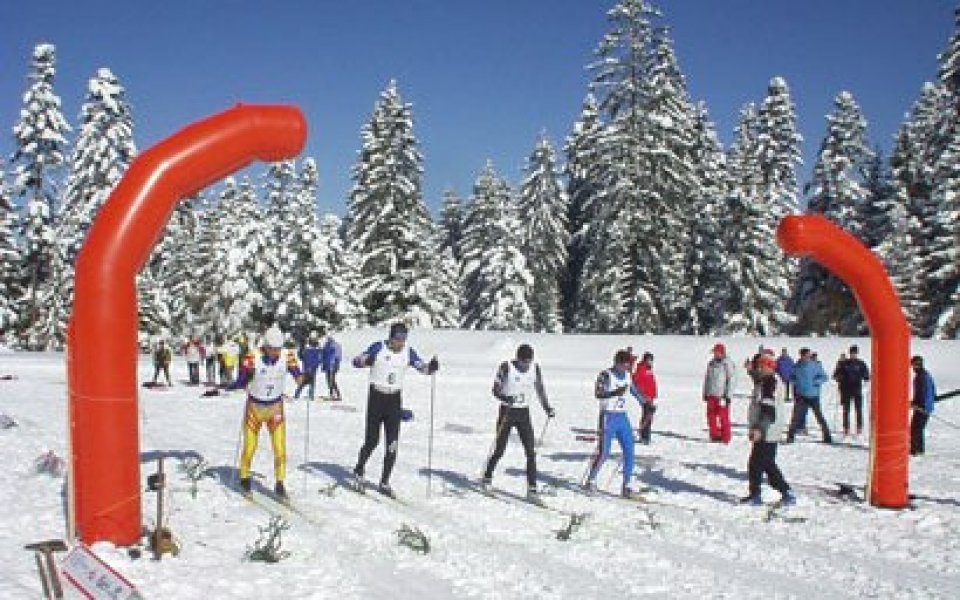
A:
{"x": 612, "y": 388}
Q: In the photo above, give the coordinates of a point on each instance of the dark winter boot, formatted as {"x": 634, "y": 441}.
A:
{"x": 245, "y": 486}
{"x": 359, "y": 483}
{"x": 385, "y": 489}
{"x": 281, "y": 492}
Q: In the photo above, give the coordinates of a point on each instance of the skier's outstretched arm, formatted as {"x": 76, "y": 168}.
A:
{"x": 366, "y": 358}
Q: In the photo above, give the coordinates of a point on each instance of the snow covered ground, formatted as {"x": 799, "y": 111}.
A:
{"x": 693, "y": 542}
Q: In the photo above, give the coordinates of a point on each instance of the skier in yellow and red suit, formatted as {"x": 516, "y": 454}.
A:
{"x": 264, "y": 377}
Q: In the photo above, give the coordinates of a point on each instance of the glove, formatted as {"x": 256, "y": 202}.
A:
{"x": 726, "y": 400}
{"x": 433, "y": 366}
{"x": 620, "y": 390}
{"x": 551, "y": 413}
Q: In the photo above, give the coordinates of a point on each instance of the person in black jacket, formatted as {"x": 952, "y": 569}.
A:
{"x": 924, "y": 396}
{"x": 850, "y": 374}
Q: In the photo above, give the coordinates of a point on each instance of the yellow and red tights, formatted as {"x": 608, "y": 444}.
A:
{"x": 258, "y": 415}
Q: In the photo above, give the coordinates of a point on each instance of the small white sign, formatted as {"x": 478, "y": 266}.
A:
{"x": 94, "y": 578}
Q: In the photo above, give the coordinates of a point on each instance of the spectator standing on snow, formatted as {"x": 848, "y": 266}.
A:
{"x": 388, "y": 361}
{"x": 330, "y": 363}
{"x": 193, "y": 352}
{"x": 229, "y": 352}
{"x": 210, "y": 359}
{"x": 646, "y": 382}
{"x": 515, "y": 385}
{"x": 764, "y": 432}
{"x": 785, "y": 366}
{"x": 850, "y": 374}
{"x": 264, "y": 377}
{"x": 612, "y": 389}
{"x": 808, "y": 378}
{"x": 161, "y": 362}
{"x": 924, "y": 394}
{"x": 310, "y": 360}
{"x": 717, "y": 390}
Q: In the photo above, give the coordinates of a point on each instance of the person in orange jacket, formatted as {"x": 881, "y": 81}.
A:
{"x": 646, "y": 382}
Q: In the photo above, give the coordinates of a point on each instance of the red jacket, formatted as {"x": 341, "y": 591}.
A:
{"x": 645, "y": 380}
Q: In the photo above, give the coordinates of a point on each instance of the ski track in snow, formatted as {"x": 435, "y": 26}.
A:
{"x": 691, "y": 541}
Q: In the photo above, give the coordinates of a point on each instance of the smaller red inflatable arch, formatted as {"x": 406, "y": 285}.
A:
{"x": 846, "y": 257}
{"x": 102, "y": 335}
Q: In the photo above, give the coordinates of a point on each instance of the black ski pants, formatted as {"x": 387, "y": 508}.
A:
{"x": 383, "y": 409}
{"x": 918, "y": 422}
{"x": 848, "y": 397}
{"x": 507, "y": 419}
{"x": 763, "y": 459}
{"x": 813, "y": 403}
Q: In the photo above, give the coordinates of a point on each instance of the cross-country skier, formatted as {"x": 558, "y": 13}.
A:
{"x": 517, "y": 382}
{"x": 764, "y": 432}
{"x": 388, "y": 361}
{"x": 612, "y": 388}
{"x": 717, "y": 390}
{"x": 924, "y": 394}
{"x": 264, "y": 379}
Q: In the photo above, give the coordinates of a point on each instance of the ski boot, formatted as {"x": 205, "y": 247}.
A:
{"x": 385, "y": 489}
{"x": 752, "y": 500}
{"x": 628, "y": 493}
{"x": 590, "y": 487}
{"x": 359, "y": 483}
{"x": 245, "y": 487}
{"x": 280, "y": 491}
{"x": 533, "y": 496}
{"x": 486, "y": 486}
{"x": 788, "y": 499}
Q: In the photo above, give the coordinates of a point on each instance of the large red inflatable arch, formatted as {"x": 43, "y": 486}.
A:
{"x": 845, "y": 256}
{"x": 102, "y": 334}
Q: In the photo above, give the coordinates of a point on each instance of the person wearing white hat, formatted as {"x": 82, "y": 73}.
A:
{"x": 264, "y": 381}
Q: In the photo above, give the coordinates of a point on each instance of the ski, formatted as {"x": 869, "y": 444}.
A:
{"x": 512, "y": 498}
{"x": 777, "y": 511}
{"x": 277, "y": 506}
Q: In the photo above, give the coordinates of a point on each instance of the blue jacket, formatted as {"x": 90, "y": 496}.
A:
{"x": 924, "y": 391}
{"x": 332, "y": 355}
{"x": 310, "y": 357}
{"x": 785, "y": 366}
{"x": 808, "y": 376}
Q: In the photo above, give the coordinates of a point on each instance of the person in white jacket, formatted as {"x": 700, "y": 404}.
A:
{"x": 717, "y": 390}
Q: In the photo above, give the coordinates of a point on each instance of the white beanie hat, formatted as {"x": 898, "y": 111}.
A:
{"x": 273, "y": 338}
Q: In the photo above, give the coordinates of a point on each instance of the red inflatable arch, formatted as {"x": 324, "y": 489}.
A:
{"x": 845, "y": 256}
{"x": 102, "y": 335}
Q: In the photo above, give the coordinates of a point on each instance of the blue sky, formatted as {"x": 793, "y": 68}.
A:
{"x": 485, "y": 78}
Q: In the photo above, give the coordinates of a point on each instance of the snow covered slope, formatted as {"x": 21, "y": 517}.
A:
{"x": 690, "y": 541}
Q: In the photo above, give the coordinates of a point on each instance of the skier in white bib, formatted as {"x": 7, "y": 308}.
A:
{"x": 388, "y": 361}
{"x": 264, "y": 382}
{"x": 517, "y": 382}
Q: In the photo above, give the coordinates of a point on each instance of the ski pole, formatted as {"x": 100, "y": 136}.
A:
{"x": 543, "y": 432}
{"x": 946, "y": 395}
{"x": 236, "y": 453}
{"x": 306, "y": 447}
{"x": 433, "y": 394}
